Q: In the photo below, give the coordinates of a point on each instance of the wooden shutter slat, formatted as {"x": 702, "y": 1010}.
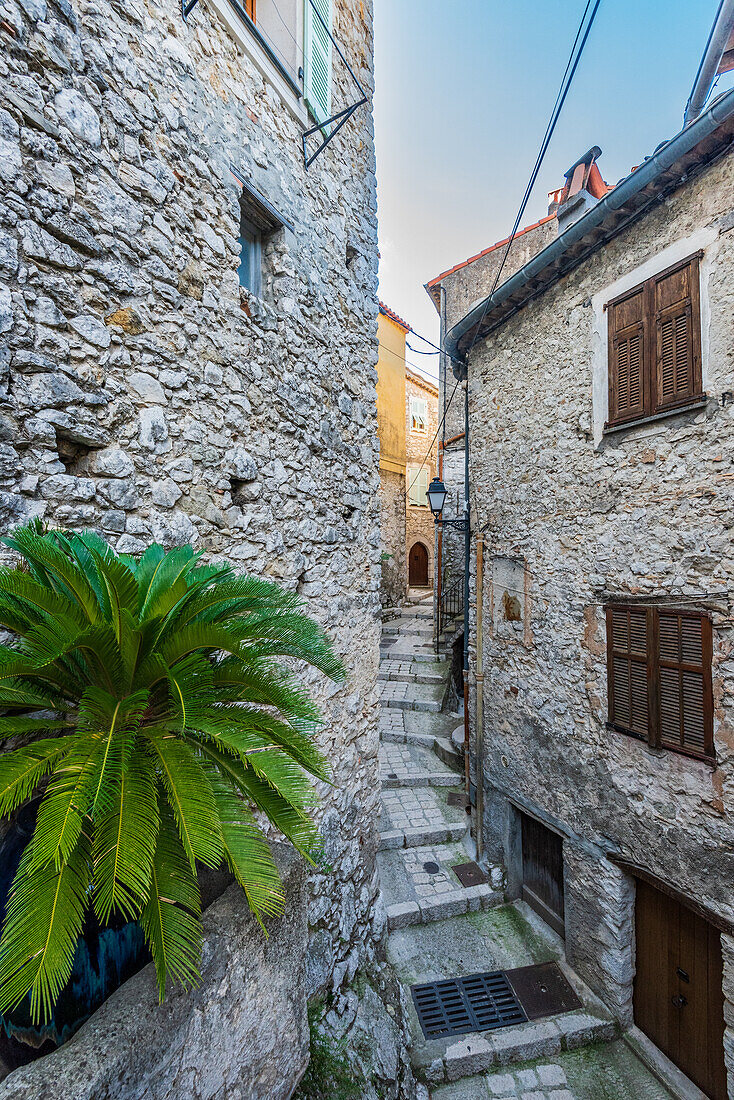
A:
{"x": 677, "y": 328}
{"x": 627, "y": 669}
{"x": 685, "y": 682}
{"x": 627, "y": 357}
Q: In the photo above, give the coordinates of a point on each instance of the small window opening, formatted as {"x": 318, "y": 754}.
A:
{"x": 259, "y": 221}
{"x": 250, "y": 269}
{"x": 351, "y": 254}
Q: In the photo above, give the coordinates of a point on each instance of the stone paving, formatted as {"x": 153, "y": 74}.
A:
{"x": 438, "y": 928}
{"x": 411, "y": 696}
{"x": 609, "y": 1071}
{"x": 405, "y": 765}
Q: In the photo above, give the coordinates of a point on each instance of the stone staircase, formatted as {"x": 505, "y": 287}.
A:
{"x": 439, "y": 928}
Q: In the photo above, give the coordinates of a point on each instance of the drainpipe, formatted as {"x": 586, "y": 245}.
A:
{"x": 479, "y": 677}
{"x": 712, "y": 55}
{"x": 467, "y": 553}
{"x": 439, "y": 564}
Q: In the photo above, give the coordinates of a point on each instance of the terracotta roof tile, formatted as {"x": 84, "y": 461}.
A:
{"x": 486, "y": 251}
{"x": 394, "y": 317}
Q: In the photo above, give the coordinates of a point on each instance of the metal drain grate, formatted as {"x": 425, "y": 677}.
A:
{"x": 476, "y": 1002}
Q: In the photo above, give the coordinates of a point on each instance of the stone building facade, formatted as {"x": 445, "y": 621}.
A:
{"x": 575, "y": 514}
{"x": 147, "y": 394}
{"x": 421, "y": 461}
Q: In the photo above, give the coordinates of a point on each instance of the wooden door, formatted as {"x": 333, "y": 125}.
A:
{"x": 678, "y": 996}
{"x": 418, "y": 566}
{"x": 542, "y": 872}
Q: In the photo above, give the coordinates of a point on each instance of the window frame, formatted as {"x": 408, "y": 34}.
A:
{"x": 652, "y": 408}
{"x": 422, "y": 401}
{"x": 653, "y": 663}
{"x": 415, "y": 473}
{"x": 253, "y": 234}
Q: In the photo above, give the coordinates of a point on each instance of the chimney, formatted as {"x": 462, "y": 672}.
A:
{"x": 582, "y": 190}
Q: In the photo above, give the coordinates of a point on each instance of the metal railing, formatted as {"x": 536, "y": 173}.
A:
{"x": 451, "y": 604}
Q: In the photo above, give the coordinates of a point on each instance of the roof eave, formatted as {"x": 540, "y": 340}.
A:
{"x": 691, "y": 149}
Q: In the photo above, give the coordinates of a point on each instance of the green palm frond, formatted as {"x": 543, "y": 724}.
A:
{"x": 21, "y": 771}
{"x": 177, "y": 726}
{"x": 247, "y": 853}
{"x": 43, "y": 922}
{"x": 190, "y": 797}
{"x": 125, "y": 842}
{"x": 171, "y": 918}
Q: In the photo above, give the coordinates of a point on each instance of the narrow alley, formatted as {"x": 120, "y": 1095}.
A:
{"x": 440, "y": 929}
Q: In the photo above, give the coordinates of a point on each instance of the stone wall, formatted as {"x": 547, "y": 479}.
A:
{"x": 392, "y": 534}
{"x": 573, "y": 517}
{"x": 419, "y": 525}
{"x": 142, "y": 393}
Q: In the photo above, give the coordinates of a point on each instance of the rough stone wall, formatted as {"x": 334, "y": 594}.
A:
{"x": 144, "y": 395}
{"x": 392, "y": 533}
{"x": 419, "y": 525}
{"x": 570, "y": 522}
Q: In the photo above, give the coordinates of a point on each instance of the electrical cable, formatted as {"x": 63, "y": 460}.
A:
{"x": 430, "y": 445}
{"x": 413, "y": 366}
{"x": 567, "y": 79}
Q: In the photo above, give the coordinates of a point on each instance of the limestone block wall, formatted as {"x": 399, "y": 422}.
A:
{"x": 392, "y": 530}
{"x": 584, "y": 517}
{"x": 144, "y": 395}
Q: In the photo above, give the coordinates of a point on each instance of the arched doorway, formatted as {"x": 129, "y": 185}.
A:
{"x": 418, "y": 566}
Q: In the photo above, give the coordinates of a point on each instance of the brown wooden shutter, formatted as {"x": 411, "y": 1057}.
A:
{"x": 627, "y": 357}
{"x": 677, "y": 335}
{"x": 627, "y": 668}
{"x": 685, "y": 695}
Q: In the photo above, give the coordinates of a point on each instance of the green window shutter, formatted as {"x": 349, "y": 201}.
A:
{"x": 317, "y": 59}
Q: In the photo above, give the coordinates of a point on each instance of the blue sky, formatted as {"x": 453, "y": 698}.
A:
{"x": 463, "y": 94}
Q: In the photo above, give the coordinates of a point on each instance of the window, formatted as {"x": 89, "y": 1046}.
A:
{"x": 659, "y": 677}
{"x": 317, "y": 58}
{"x": 250, "y": 269}
{"x": 418, "y": 486}
{"x": 418, "y": 414}
{"x": 655, "y": 345}
{"x": 259, "y": 220}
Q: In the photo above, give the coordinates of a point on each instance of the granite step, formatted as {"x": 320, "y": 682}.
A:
{"x": 419, "y": 884}
{"x": 415, "y": 816}
{"x": 407, "y": 696}
{"x": 411, "y": 672}
{"x": 404, "y": 765}
{"x": 497, "y": 938}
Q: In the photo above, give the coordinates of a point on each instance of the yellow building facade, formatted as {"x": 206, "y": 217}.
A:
{"x": 391, "y": 334}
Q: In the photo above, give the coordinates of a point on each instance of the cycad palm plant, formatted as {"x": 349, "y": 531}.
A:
{"x": 157, "y": 717}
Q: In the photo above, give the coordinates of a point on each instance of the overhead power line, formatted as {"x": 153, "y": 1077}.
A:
{"x": 568, "y": 75}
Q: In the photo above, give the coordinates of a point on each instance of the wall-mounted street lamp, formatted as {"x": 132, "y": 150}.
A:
{"x": 436, "y": 499}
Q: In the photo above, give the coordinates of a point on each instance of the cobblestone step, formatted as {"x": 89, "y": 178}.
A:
{"x": 417, "y": 816}
{"x": 419, "y": 885}
{"x": 608, "y": 1072}
{"x": 499, "y": 938}
{"x": 413, "y": 766}
{"x": 405, "y": 696}
{"x": 411, "y": 672}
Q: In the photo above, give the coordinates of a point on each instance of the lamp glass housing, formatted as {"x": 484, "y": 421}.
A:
{"x": 436, "y": 496}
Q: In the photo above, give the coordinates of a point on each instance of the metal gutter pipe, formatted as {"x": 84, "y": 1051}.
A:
{"x": 712, "y": 55}
{"x": 479, "y": 678}
{"x": 648, "y": 172}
